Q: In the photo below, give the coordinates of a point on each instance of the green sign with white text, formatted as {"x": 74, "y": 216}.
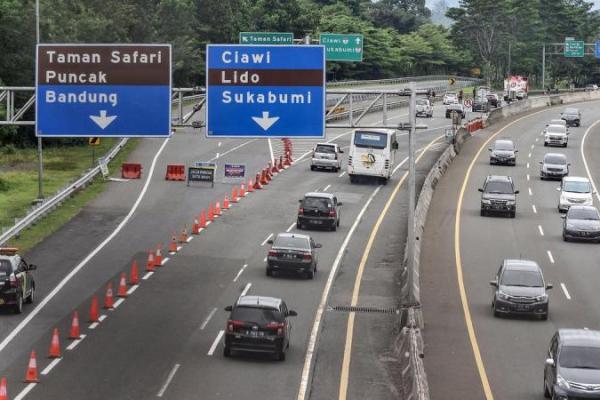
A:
{"x": 266, "y": 38}
{"x": 574, "y": 48}
{"x": 342, "y": 47}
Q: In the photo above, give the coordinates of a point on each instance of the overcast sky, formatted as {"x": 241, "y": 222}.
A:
{"x": 454, "y": 3}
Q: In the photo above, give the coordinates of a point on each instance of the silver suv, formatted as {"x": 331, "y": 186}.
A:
{"x": 326, "y": 155}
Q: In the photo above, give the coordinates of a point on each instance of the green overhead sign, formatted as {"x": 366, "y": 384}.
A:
{"x": 266, "y": 38}
{"x": 342, "y": 47}
{"x": 574, "y": 48}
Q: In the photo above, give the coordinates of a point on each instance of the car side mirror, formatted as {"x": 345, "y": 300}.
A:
{"x": 270, "y": 241}
{"x": 516, "y": 151}
{"x": 490, "y": 149}
{"x": 292, "y": 313}
{"x": 300, "y": 201}
{"x": 549, "y": 286}
{"x": 569, "y": 164}
{"x": 563, "y": 216}
{"x": 318, "y": 245}
{"x": 32, "y": 267}
{"x": 558, "y": 188}
{"x": 395, "y": 146}
{"x": 480, "y": 190}
{"x": 516, "y": 192}
{"x": 541, "y": 163}
{"x": 550, "y": 362}
{"x": 228, "y": 308}
{"x": 340, "y": 151}
{"x": 340, "y": 203}
{"x": 494, "y": 283}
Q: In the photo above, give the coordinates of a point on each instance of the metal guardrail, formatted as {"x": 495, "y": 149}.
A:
{"x": 406, "y": 79}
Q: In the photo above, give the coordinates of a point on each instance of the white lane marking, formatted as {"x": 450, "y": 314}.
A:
{"x": 216, "y": 156}
{"x": 550, "y": 257}
{"x": 529, "y": 155}
{"x": 585, "y": 164}
{"x": 267, "y": 239}
{"x": 148, "y": 275}
{"x": 536, "y": 139}
{"x": 530, "y": 192}
{"x": 532, "y": 146}
{"x": 534, "y": 209}
{"x": 219, "y": 144}
{"x": 271, "y": 150}
{"x": 527, "y": 176}
{"x": 240, "y": 272}
{"x": 291, "y": 227}
{"x": 50, "y": 366}
{"x": 312, "y": 343}
{"x": 75, "y": 342}
{"x": 248, "y": 286}
{"x": 93, "y": 325}
{"x": 342, "y": 174}
{"x": 189, "y": 239}
{"x": 326, "y": 187}
{"x": 541, "y": 230}
{"x": 25, "y": 391}
{"x": 233, "y": 149}
{"x": 165, "y": 260}
{"x": 181, "y": 247}
{"x": 527, "y": 165}
{"x": 132, "y": 289}
{"x": 169, "y": 379}
{"x": 565, "y": 291}
{"x": 205, "y": 322}
{"x": 216, "y": 343}
{"x": 84, "y": 262}
{"x": 102, "y": 318}
{"x": 265, "y": 260}
{"x": 118, "y": 303}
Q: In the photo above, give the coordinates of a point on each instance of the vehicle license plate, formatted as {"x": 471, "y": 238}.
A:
{"x": 316, "y": 221}
{"x": 522, "y": 307}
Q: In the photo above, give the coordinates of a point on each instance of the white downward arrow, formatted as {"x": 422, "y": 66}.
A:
{"x": 103, "y": 121}
{"x": 265, "y": 122}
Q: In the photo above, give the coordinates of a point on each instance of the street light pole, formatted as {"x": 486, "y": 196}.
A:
{"x": 39, "y": 139}
{"x": 411, "y": 193}
{"x": 544, "y": 66}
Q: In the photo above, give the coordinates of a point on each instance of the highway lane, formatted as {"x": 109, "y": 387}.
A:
{"x": 142, "y": 228}
{"x": 511, "y": 350}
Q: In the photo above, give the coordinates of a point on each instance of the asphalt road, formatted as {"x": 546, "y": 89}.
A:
{"x": 175, "y": 316}
{"x": 503, "y": 358}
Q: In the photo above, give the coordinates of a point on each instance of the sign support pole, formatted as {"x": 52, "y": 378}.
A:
{"x": 544, "y": 67}
{"x": 39, "y": 139}
{"x": 411, "y": 194}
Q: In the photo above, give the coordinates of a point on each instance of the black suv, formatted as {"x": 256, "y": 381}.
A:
{"x": 293, "y": 252}
{"x": 519, "y": 288}
{"x": 481, "y": 104}
{"x": 571, "y": 116}
{"x": 16, "y": 281}
{"x": 258, "y": 324}
{"x": 319, "y": 209}
{"x": 498, "y": 195}
{"x": 503, "y": 152}
{"x": 572, "y": 369}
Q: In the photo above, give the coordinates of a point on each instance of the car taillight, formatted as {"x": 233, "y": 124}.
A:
{"x": 13, "y": 281}
{"x": 332, "y": 213}
{"x": 301, "y": 211}
{"x": 307, "y": 257}
{"x": 280, "y": 326}
{"x": 232, "y": 324}
{"x": 272, "y": 253}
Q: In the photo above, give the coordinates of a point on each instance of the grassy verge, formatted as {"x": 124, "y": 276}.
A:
{"x": 19, "y": 178}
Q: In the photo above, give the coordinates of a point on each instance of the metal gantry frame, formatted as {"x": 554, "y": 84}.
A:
{"x": 558, "y": 49}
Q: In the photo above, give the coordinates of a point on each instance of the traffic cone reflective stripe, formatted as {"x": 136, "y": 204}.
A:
{"x": 150, "y": 263}
{"x": 134, "y": 278}
{"x": 31, "y": 376}
{"x": 74, "y": 334}
{"x": 158, "y": 256}
{"x": 3, "y": 390}
{"x": 184, "y": 236}
{"x": 196, "y": 227}
{"x": 108, "y": 297}
{"x": 242, "y": 192}
{"x": 203, "y": 219}
{"x": 122, "y": 292}
{"x": 226, "y": 203}
{"x": 250, "y": 186}
{"x": 54, "y": 345}
{"x": 94, "y": 313}
{"x": 173, "y": 244}
{"x": 217, "y": 209}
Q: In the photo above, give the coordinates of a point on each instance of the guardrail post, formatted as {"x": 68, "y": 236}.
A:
{"x": 180, "y": 107}
{"x": 351, "y": 117}
{"x": 385, "y": 109}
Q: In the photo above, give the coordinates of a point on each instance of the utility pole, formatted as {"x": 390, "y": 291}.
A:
{"x": 39, "y": 139}
{"x": 411, "y": 193}
{"x": 509, "y": 57}
{"x": 544, "y": 66}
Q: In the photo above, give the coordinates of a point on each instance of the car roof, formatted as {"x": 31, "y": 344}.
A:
{"x": 579, "y": 337}
{"x": 293, "y": 235}
{"x": 332, "y": 144}
{"x": 557, "y": 122}
{"x": 580, "y": 207}
{"x": 499, "y": 178}
{"x": 555, "y": 155}
{"x": 261, "y": 301}
{"x": 376, "y": 130}
{"x": 521, "y": 265}
{"x": 575, "y": 179}
{"x": 322, "y": 195}
{"x": 504, "y": 141}
{"x": 561, "y": 126}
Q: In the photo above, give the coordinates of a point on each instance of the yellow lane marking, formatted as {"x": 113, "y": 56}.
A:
{"x": 361, "y": 267}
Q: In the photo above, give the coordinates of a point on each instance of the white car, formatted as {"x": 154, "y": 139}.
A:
{"x": 424, "y": 108}
{"x": 575, "y": 190}
{"x": 326, "y": 155}
{"x": 556, "y": 135}
{"x": 450, "y": 98}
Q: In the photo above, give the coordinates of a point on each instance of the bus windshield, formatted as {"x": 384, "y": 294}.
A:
{"x": 372, "y": 140}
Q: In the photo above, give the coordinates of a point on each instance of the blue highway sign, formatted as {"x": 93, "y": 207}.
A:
{"x": 598, "y": 49}
{"x": 103, "y": 90}
{"x": 265, "y": 91}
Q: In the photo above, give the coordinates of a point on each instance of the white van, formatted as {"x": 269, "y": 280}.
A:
{"x": 372, "y": 153}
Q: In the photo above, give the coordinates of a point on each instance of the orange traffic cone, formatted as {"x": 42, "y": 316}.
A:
{"x": 211, "y": 213}
{"x": 173, "y": 244}
{"x": 134, "y": 278}
{"x": 54, "y": 345}
{"x": 274, "y": 169}
{"x": 218, "y": 211}
{"x": 250, "y": 185}
{"x": 257, "y": 184}
{"x": 203, "y": 219}
{"x": 94, "y": 313}
{"x": 263, "y": 178}
{"x": 151, "y": 262}
{"x": 122, "y": 291}
{"x": 234, "y": 195}
{"x": 108, "y": 297}
{"x": 74, "y": 334}
{"x": 280, "y": 166}
{"x": 242, "y": 192}
{"x": 31, "y": 376}
{"x": 288, "y": 159}
{"x": 269, "y": 173}
{"x": 226, "y": 203}
{"x": 183, "y": 238}
{"x": 158, "y": 256}
{"x": 3, "y": 394}
{"x": 196, "y": 227}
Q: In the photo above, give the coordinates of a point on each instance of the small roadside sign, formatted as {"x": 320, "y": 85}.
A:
{"x": 266, "y": 38}
{"x": 203, "y": 173}
{"x": 94, "y": 141}
{"x": 342, "y": 47}
{"x": 468, "y": 102}
{"x": 103, "y": 167}
{"x": 234, "y": 171}
{"x": 451, "y": 81}
{"x": 574, "y": 48}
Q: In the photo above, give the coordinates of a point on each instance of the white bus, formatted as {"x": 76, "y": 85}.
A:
{"x": 372, "y": 153}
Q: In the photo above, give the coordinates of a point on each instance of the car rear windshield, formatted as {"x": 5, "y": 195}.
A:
{"x": 557, "y": 160}
{"x": 522, "y": 278}
{"x": 580, "y": 357}
{"x": 374, "y": 140}
{"x": 292, "y": 242}
{"x": 556, "y": 129}
{"x": 571, "y": 111}
{"x": 259, "y": 316}
{"x": 316, "y": 202}
{"x": 422, "y": 102}
{"x": 583, "y": 213}
{"x": 5, "y": 268}
{"x": 504, "y": 145}
{"x": 325, "y": 149}
{"x": 577, "y": 187}
{"x": 499, "y": 187}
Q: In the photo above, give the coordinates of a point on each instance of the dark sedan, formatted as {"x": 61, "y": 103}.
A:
{"x": 519, "y": 288}
{"x": 481, "y": 104}
{"x": 457, "y": 108}
{"x": 571, "y": 116}
{"x": 581, "y": 223}
{"x": 493, "y": 99}
{"x": 293, "y": 252}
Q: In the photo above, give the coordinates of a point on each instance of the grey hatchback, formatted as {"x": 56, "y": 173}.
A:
{"x": 293, "y": 252}
{"x": 319, "y": 209}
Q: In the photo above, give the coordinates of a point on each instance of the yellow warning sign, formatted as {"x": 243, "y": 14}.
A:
{"x": 94, "y": 141}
